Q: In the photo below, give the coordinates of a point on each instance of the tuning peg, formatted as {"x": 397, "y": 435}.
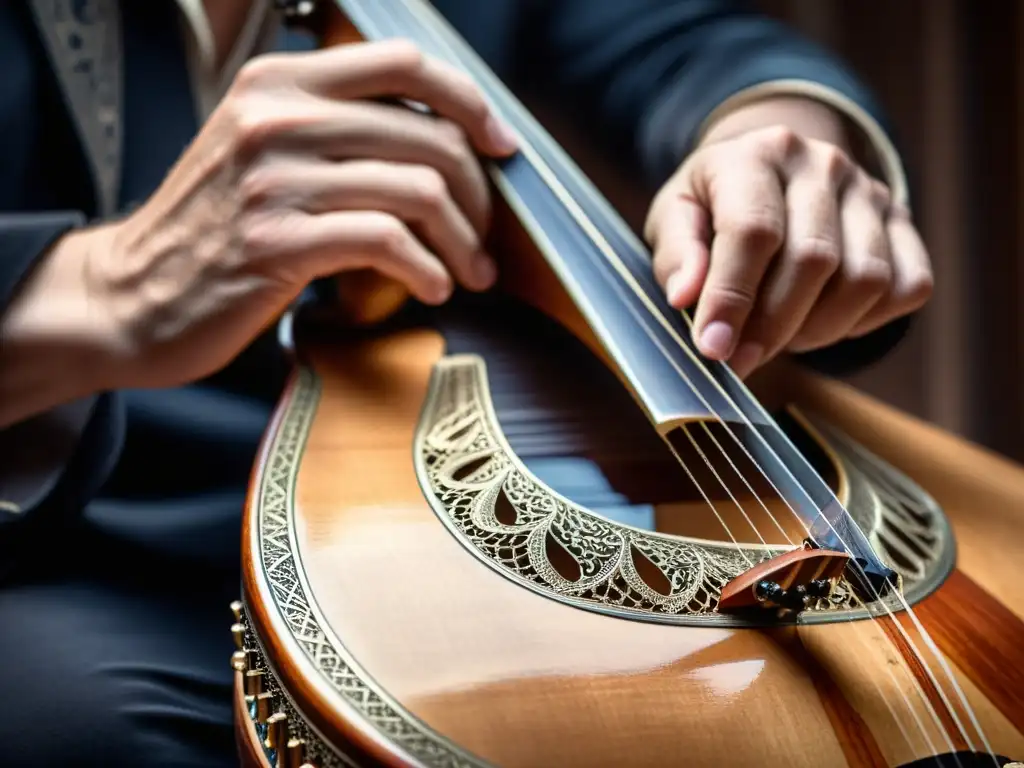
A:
{"x": 236, "y": 609}
{"x": 292, "y": 755}
{"x": 277, "y": 730}
{"x": 264, "y": 704}
{"x": 254, "y": 682}
{"x": 244, "y": 660}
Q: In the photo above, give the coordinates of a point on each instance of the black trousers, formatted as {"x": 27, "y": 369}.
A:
{"x": 115, "y": 643}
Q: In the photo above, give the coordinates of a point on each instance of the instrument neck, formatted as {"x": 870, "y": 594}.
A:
{"x": 607, "y": 273}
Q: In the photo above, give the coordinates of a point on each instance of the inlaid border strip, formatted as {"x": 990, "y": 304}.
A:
{"x": 298, "y": 620}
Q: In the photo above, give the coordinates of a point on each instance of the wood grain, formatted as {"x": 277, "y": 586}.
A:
{"x": 983, "y": 638}
{"x": 523, "y": 681}
{"x": 520, "y": 680}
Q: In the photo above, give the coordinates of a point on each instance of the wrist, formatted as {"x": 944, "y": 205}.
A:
{"x": 807, "y": 117}
{"x": 57, "y": 343}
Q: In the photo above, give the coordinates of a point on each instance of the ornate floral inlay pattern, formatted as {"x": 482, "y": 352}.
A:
{"x": 465, "y": 466}
{"x": 519, "y": 526}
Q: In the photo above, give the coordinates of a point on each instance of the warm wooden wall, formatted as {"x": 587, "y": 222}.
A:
{"x": 950, "y": 74}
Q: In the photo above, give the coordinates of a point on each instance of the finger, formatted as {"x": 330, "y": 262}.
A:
{"x": 398, "y": 69}
{"x": 418, "y": 195}
{"x": 912, "y": 279}
{"x": 810, "y": 256}
{"x": 354, "y": 131}
{"x": 344, "y": 240}
{"x": 678, "y": 229}
{"x": 748, "y": 213}
{"x": 861, "y": 282}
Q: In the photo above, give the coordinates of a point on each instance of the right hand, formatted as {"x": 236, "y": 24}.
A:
{"x": 299, "y": 174}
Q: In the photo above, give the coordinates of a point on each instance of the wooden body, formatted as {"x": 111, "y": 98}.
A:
{"x": 386, "y": 638}
{"x": 518, "y": 679}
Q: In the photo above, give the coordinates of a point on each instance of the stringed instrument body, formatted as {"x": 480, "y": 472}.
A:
{"x": 534, "y": 528}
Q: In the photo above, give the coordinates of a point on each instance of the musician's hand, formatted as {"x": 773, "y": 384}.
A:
{"x": 783, "y": 241}
{"x": 301, "y": 173}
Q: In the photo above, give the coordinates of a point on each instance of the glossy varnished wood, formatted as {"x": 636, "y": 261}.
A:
{"x": 518, "y": 679}
{"x": 982, "y": 637}
{"x": 521, "y": 680}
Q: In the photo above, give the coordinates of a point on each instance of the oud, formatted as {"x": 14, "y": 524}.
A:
{"x": 536, "y": 528}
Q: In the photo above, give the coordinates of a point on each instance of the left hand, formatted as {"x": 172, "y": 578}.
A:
{"x": 785, "y": 244}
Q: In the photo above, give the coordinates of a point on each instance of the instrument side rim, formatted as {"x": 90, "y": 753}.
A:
{"x": 323, "y": 709}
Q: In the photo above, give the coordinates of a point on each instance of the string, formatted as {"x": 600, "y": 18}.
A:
{"x": 612, "y": 260}
{"x": 745, "y": 481}
{"x": 510, "y": 193}
{"x": 583, "y": 221}
{"x": 685, "y": 378}
{"x": 721, "y": 482}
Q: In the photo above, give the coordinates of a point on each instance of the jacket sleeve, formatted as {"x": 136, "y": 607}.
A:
{"x": 655, "y": 73}
{"x": 49, "y": 464}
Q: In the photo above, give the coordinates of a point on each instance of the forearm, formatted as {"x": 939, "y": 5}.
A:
{"x": 50, "y": 334}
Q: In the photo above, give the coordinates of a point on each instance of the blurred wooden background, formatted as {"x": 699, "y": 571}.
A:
{"x": 950, "y": 77}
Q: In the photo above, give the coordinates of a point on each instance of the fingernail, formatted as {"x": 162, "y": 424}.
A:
{"x": 716, "y": 341}
{"x": 485, "y": 270}
{"x": 502, "y": 135}
{"x": 746, "y": 358}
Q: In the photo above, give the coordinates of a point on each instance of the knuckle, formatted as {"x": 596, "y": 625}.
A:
{"x": 872, "y": 275}
{"x": 782, "y": 141}
{"x": 835, "y": 163}
{"x": 476, "y": 106}
{"x": 732, "y": 298}
{"x": 259, "y": 235}
{"x": 820, "y": 254}
{"x": 456, "y": 148}
{"x": 877, "y": 245}
{"x": 429, "y": 188}
{"x": 404, "y": 58}
{"x": 453, "y": 137}
{"x": 254, "y": 124}
{"x": 389, "y": 235}
{"x": 898, "y": 210}
{"x": 920, "y": 289}
{"x": 759, "y": 230}
{"x": 259, "y": 184}
{"x": 880, "y": 194}
{"x": 258, "y": 71}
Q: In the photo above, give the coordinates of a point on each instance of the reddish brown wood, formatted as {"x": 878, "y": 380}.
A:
{"x": 983, "y": 638}
{"x": 592, "y": 684}
{"x": 916, "y": 666}
{"x": 796, "y": 568}
{"x": 860, "y": 748}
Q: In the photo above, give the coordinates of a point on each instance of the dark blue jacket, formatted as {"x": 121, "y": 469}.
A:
{"x": 648, "y": 72}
